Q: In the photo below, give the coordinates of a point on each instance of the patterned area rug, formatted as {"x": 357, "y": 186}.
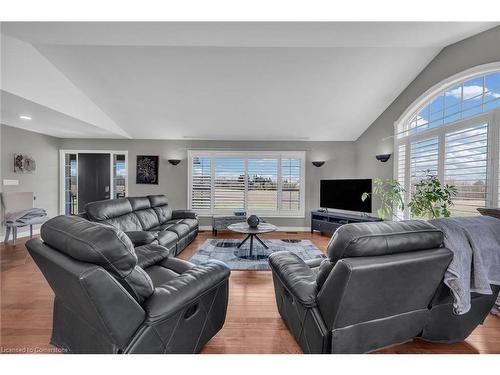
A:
{"x": 226, "y": 250}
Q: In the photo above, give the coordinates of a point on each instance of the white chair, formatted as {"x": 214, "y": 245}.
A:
{"x": 16, "y": 202}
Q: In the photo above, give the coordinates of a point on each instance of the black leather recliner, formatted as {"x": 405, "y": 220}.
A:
{"x": 373, "y": 290}
{"x": 112, "y": 298}
{"x": 147, "y": 220}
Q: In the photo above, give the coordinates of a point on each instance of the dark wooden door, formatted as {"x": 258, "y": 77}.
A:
{"x": 94, "y": 179}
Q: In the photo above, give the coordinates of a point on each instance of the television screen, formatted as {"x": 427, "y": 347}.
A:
{"x": 346, "y": 194}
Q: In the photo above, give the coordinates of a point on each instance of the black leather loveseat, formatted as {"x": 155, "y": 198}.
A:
{"x": 147, "y": 220}
{"x": 112, "y": 298}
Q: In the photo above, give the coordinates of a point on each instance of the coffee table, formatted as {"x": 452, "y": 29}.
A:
{"x": 251, "y": 233}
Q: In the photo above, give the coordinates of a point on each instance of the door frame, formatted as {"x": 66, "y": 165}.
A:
{"x": 63, "y": 152}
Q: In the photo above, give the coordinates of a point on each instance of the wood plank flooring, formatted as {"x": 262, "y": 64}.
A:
{"x": 253, "y": 324}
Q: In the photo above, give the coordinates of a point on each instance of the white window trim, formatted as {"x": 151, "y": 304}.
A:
{"x": 62, "y": 154}
{"x": 248, "y": 154}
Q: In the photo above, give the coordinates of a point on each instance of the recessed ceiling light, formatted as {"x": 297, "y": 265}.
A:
{"x": 25, "y": 117}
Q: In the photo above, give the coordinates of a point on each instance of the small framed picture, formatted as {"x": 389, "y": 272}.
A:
{"x": 147, "y": 169}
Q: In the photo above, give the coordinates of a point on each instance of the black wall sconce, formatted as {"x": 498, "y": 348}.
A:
{"x": 174, "y": 161}
{"x": 318, "y": 163}
{"x": 383, "y": 157}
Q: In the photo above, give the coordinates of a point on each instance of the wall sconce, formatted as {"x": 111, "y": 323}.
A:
{"x": 174, "y": 161}
{"x": 318, "y": 163}
{"x": 383, "y": 157}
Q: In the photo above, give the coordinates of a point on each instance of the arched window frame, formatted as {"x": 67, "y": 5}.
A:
{"x": 402, "y": 143}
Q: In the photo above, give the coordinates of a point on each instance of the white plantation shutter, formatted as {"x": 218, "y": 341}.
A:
{"x": 229, "y": 184}
{"x": 401, "y": 174}
{"x": 262, "y": 185}
{"x": 201, "y": 182}
{"x": 270, "y": 183}
{"x": 291, "y": 184}
{"x": 466, "y": 167}
{"x": 423, "y": 160}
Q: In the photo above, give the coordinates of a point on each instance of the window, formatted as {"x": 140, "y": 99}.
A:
{"x": 469, "y": 98}
{"x": 466, "y": 162}
{"x": 454, "y": 135}
{"x": 267, "y": 183}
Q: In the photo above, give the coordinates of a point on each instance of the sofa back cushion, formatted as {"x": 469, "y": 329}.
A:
{"x": 383, "y": 238}
{"x": 101, "y": 245}
{"x": 161, "y": 207}
{"x": 142, "y": 209}
{"x": 108, "y": 209}
{"x": 115, "y": 212}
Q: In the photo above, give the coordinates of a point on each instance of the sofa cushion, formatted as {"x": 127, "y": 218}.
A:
{"x": 108, "y": 209}
{"x": 383, "y": 238}
{"x": 191, "y": 223}
{"x": 147, "y": 255}
{"x": 139, "y": 203}
{"x": 164, "y": 213}
{"x": 102, "y": 245}
{"x": 167, "y": 239}
{"x": 147, "y": 218}
{"x": 158, "y": 200}
{"x": 127, "y": 223}
{"x": 161, "y": 227}
{"x": 181, "y": 229}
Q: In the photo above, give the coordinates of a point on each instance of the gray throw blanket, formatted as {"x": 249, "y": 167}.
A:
{"x": 26, "y": 216}
{"x": 475, "y": 243}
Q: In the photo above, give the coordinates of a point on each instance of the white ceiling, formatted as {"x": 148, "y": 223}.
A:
{"x": 45, "y": 120}
{"x": 240, "y": 81}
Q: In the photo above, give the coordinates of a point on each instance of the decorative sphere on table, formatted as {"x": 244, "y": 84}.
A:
{"x": 253, "y": 221}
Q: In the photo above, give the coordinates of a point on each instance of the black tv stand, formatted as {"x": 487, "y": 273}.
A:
{"x": 328, "y": 222}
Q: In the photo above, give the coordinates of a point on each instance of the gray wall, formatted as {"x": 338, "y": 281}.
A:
{"x": 339, "y": 157}
{"x": 44, "y": 181}
{"x": 477, "y": 50}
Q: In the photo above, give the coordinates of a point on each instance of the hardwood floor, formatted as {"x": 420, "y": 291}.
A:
{"x": 253, "y": 324}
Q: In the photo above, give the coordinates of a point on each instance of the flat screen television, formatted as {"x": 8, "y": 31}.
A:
{"x": 346, "y": 194}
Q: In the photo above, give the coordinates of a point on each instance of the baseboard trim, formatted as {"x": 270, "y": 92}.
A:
{"x": 280, "y": 229}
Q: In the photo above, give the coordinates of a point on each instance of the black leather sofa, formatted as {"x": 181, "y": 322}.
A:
{"x": 112, "y": 298}
{"x": 147, "y": 220}
{"x": 373, "y": 290}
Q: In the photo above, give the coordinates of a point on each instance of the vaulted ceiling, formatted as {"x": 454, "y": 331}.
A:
{"x": 236, "y": 81}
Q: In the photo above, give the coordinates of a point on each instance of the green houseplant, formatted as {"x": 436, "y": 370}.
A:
{"x": 431, "y": 198}
{"x": 389, "y": 192}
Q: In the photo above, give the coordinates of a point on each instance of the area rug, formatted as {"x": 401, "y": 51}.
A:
{"x": 226, "y": 251}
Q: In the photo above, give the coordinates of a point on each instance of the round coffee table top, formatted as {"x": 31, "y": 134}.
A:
{"x": 245, "y": 228}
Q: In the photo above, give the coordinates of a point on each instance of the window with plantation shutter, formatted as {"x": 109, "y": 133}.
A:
{"x": 269, "y": 183}
{"x": 229, "y": 184}
{"x": 262, "y": 185}
{"x": 291, "y": 181}
{"x": 201, "y": 182}
{"x": 423, "y": 160}
{"x": 466, "y": 167}
{"x": 401, "y": 173}
{"x": 454, "y": 134}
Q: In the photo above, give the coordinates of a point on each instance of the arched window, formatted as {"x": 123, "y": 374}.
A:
{"x": 452, "y": 131}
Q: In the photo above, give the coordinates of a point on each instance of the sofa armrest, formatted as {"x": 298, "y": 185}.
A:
{"x": 295, "y": 275}
{"x": 181, "y": 291}
{"x": 140, "y": 238}
{"x": 184, "y": 214}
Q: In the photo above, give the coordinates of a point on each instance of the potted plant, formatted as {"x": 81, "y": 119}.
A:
{"x": 389, "y": 192}
{"x": 431, "y": 198}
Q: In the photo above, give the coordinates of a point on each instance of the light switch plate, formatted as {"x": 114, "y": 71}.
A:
{"x": 10, "y": 182}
